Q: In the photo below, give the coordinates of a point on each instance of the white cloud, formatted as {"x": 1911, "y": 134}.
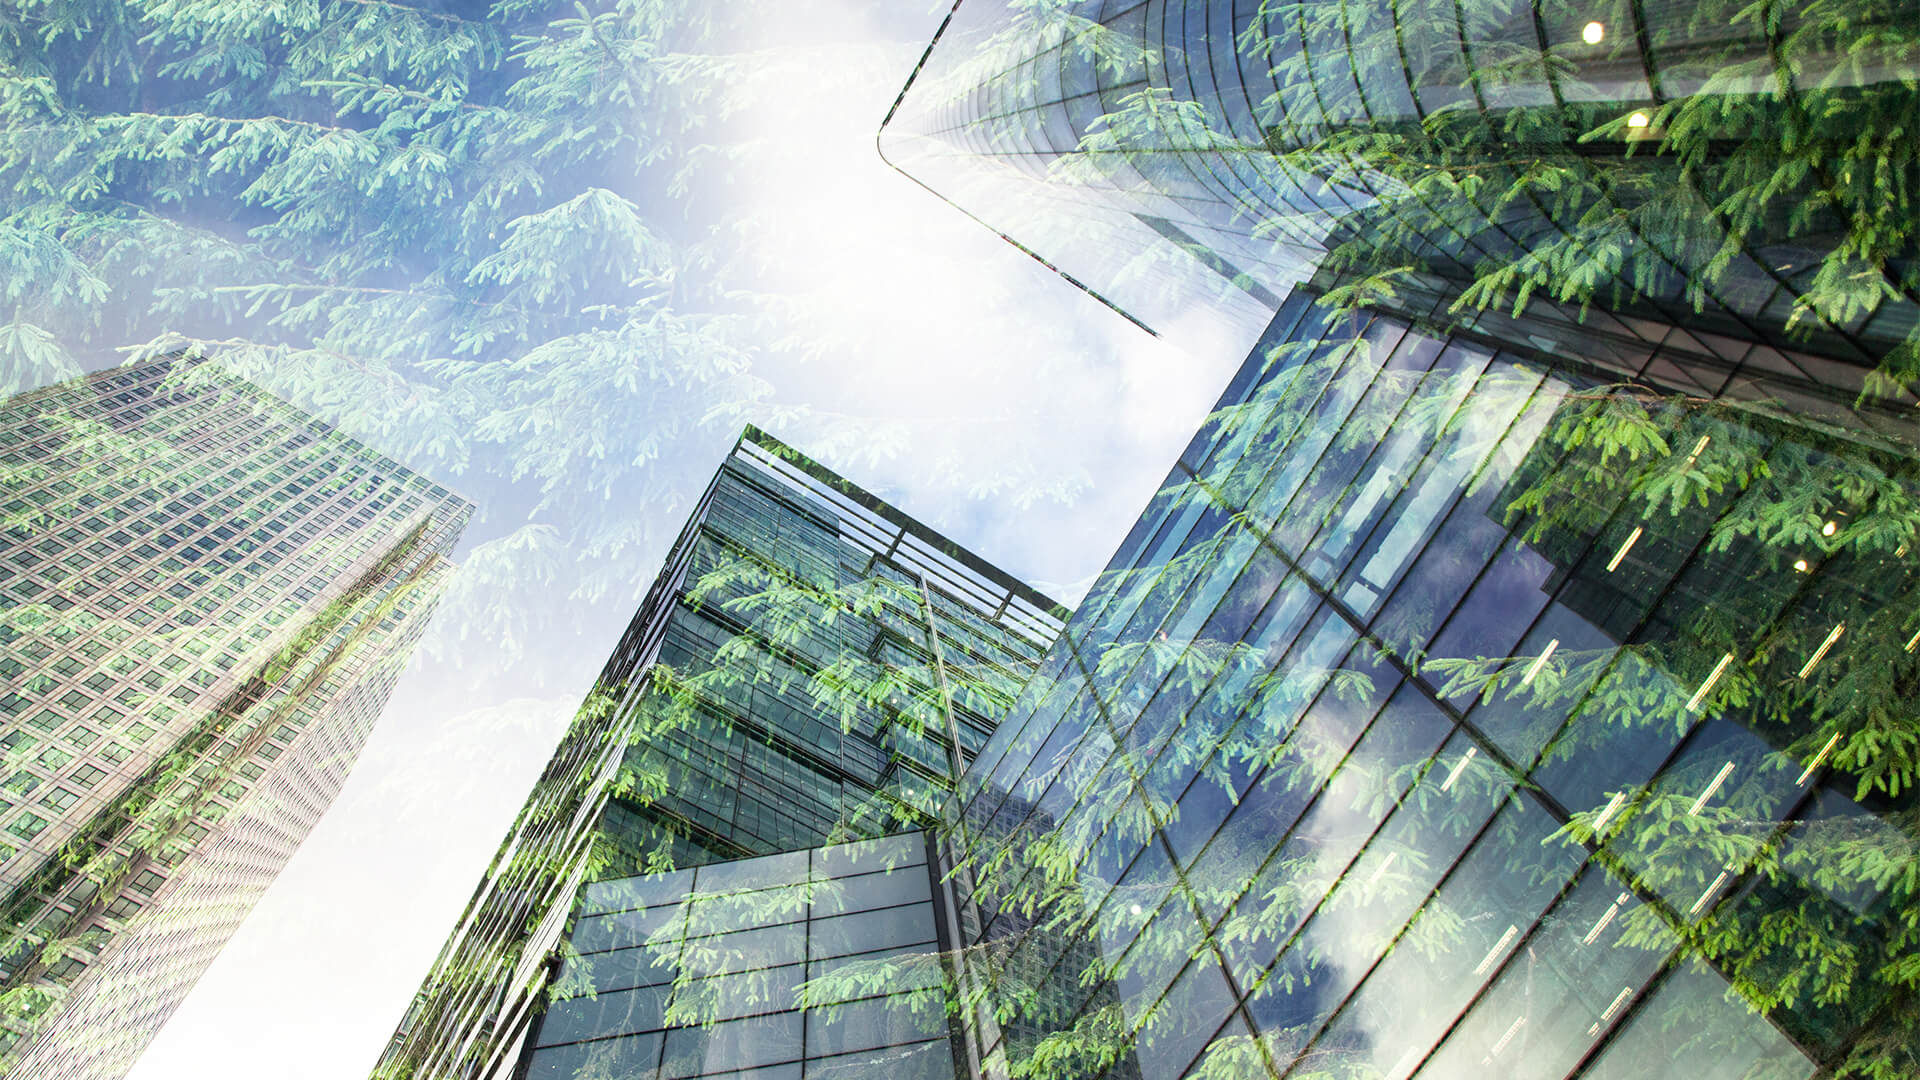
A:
{"x": 944, "y": 369}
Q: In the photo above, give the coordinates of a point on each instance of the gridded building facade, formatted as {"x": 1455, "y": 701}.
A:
{"x": 811, "y": 666}
{"x": 1513, "y": 676}
{"x": 705, "y": 971}
{"x": 1416, "y": 730}
{"x": 207, "y": 598}
{"x": 1034, "y": 122}
{"x": 1188, "y": 161}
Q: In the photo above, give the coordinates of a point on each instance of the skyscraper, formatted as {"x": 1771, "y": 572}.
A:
{"x": 1188, "y": 161}
{"x": 1514, "y": 676}
{"x": 208, "y": 596}
{"x": 1408, "y": 736}
{"x": 809, "y": 673}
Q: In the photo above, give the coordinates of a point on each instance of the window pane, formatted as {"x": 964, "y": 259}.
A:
{"x": 734, "y": 1045}
{"x": 869, "y": 930}
{"x": 620, "y": 1012}
{"x": 886, "y": 1021}
{"x": 925, "y": 1061}
{"x": 630, "y": 1058}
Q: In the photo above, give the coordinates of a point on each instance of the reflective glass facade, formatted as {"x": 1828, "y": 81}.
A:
{"x": 702, "y": 972}
{"x": 811, "y": 666}
{"x": 1515, "y": 675}
{"x": 1025, "y": 119}
{"x": 767, "y": 766}
{"x": 1420, "y": 729}
{"x": 1189, "y": 160}
{"x": 207, "y": 596}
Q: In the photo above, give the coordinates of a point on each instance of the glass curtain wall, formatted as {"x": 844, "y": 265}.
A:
{"x": 822, "y": 963}
{"x": 1513, "y": 677}
{"x": 207, "y": 596}
{"x": 1741, "y": 170}
{"x": 812, "y": 666}
{"x": 1452, "y": 713}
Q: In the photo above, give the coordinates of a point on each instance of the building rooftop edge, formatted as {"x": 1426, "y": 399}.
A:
{"x": 894, "y": 515}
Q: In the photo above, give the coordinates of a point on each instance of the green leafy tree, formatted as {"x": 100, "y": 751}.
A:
{"x": 1540, "y": 175}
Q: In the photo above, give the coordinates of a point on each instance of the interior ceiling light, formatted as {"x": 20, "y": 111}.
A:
{"x": 1719, "y": 778}
{"x": 1820, "y": 653}
{"x": 1706, "y": 688}
{"x": 1534, "y": 671}
{"x": 1459, "y": 768}
{"x": 1593, "y": 33}
{"x": 1607, "y": 1017}
{"x": 1637, "y": 120}
{"x": 1614, "y": 563}
{"x": 1605, "y": 918}
{"x": 1818, "y": 758}
{"x": 1708, "y": 895}
{"x": 1701, "y": 446}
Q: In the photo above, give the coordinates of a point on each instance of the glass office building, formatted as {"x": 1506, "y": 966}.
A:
{"x": 1031, "y": 121}
{"x": 1514, "y": 677}
{"x": 1189, "y": 160}
{"x": 1414, "y": 731}
{"x": 812, "y": 666}
{"x": 207, "y": 597}
{"x": 821, "y": 963}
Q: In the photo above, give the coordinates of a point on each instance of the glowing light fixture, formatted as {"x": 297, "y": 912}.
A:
{"x": 1700, "y": 695}
{"x": 1632, "y": 537}
{"x": 1512, "y": 1030}
{"x": 1605, "y": 920}
{"x": 1718, "y": 779}
{"x": 1818, "y": 758}
{"x": 1821, "y": 653}
{"x": 1637, "y": 120}
{"x": 1613, "y": 807}
{"x": 1593, "y": 33}
{"x": 1382, "y": 868}
{"x": 1534, "y": 670}
{"x": 1607, "y": 1017}
{"x": 1454, "y": 773}
{"x": 1494, "y": 953}
{"x": 1704, "y": 439}
{"x": 1829, "y": 528}
{"x": 1708, "y": 895}
{"x": 1800, "y": 565}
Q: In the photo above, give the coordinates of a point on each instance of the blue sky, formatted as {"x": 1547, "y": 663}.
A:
{"x": 938, "y": 366}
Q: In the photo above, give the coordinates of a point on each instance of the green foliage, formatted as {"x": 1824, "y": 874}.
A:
{"x": 1798, "y": 917}
{"x": 434, "y": 225}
